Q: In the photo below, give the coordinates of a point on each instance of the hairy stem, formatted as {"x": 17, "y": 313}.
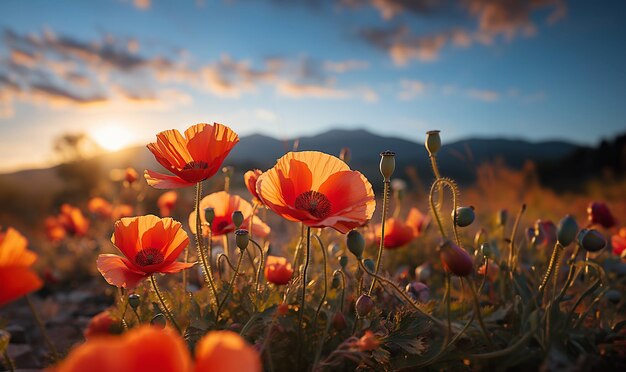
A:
{"x": 164, "y": 304}
{"x": 204, "y": 261}
{"x": 258, "y": 273}
{"x": 230, "y": 286}
{"x": 381, "y": 246}
{"x": 324, "y": 263}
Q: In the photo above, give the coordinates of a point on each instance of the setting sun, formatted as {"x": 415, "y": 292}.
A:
{"x": 112, "y": 137}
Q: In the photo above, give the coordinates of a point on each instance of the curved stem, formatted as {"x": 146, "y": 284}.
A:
{"x": 434, "y": 208}
{"x": 478, "y": 313}
{"x": 226, "y": 245}
{"x": 591, "y": 288}
{"x": 258, "y": 273}
{"x": 42, "y": 329}
{"x": 512, "y": 253}
{"x": 230, "y": 285}
{"x": 402, "y": 294}
{"x": 324, "y": 264}
{"x": 433, "y": 162}
{"x": 164, "y": 304}
{"x": 381, "y": 247}
{"x": 590, "y": 308}
{"x": 219, "y": 262}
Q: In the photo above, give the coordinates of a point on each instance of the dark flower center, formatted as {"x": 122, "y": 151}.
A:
{"x": 222, "y": 225}
{"x": 316, "y": 203}
{"x": 149, "y": 256}
{"x": 196, "y": 164}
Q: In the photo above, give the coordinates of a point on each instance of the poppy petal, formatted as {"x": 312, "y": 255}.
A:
{"x": 118, "y": 271}
{"x": 13, "y": 249}
{"x": 17, "y": 281}
{"x": 226, "y": 351}
{"x": 163, "y": 181}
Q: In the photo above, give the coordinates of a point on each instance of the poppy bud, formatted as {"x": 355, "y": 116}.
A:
{"x": 345, "y": 155}
{"x": 502, "y": 217}
{"x": 237, "y": 218}
{"x": 433, "y": 142}
{"x": 599, "y": 214}
{"x": 423, "y": 272}
{"x": 464, "y": 216}
{"x": 336, "y": 280}
{"x": 591, "y": 240}
{"x": 369, "y": 264}
{"x": 339, "y": 321}
{"x": 566, "y": 232}
{"x": 130, "y": 176}
{"x": 614, "y": 296}
{"x": 242, "y": 238}
{"x": 343, "y": 261}
{"x": 356, "y": 243}
{"x": 455, "y": 259}
{"x": 158, "y": 320}
{"x": 209, "y": 215}
{"x": 364, "y": 304}
{"x": 133, "y": 300}
{"x": 387, "y": 164}
{"x": 418, "y": 290}
{"x": 485, "y": 250}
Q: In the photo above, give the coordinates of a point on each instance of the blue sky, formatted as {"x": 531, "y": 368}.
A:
{"x": 122, "y": 70}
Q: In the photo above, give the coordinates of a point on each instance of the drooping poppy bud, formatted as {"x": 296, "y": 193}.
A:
{"x": 343, "y": 261}
{"x": 134, "y": 300}
{"x": 339, "y": 321}
{"x": 364, "y": 304}
{"x": 356, "y": 243}
{"x": 591, "y": 240}
{"x": 369, "y": 264}
{"x": 455, "y": 259}
{"x": 209, "y": 215}
{"x": 566, "y": 232}
{"x": 599, "y": 214}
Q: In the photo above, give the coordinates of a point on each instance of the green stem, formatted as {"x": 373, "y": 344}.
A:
{"x": 230, "y": 287}
{"x": 219, "y": 262}
{"x": 479, "y": 314}
{"x": 433, "y": 162}
{"x": 590, "y": 308}
{"x": 591, "y": 288}
{"x": 381, "y": 246}
{"x": 302, "y": 301}
{"x": 164, "y": 304}
{"x": 206, "y": 267}
{"x": 571, "y": 274}
{"x": 323, "y": 249}
{"x": 42, "y": 328}
{"x": 343, "y": 290}
{"x": 444, "y": 182}
{"x": 258, "y": 273}
{"x": 553, "y": 259}
{"x": 402, "y": 294}
{"x": 512, "y": 253}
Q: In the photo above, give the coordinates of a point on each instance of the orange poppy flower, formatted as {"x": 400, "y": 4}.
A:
{"x": 277, "y": 270}
{"x": 99, "y": 325}
{"x": 193, "y": 158}
{"x": 16, "y": 276}
{"x": 250, "y": 178}
{"x": 144, "y": 348}
{"x": 167, "y": 202}
{"x": 150, "y": 244}
{"x": 618, "y": 242}
{"x": 226, "y": 351}
{"x": 130, "y": 176}
{"x": 73, "y": 220}
{"x": 224, "y": 204}
{"x": 54, "y": 229}
{"x": 399, "y": 233}
{"x": 100, "y": 207}
{"x": 317, "y": 189}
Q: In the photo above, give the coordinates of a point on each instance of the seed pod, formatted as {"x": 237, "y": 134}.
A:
{"x": 387, "y": 164}
{"x": 356, "y": 243}
{"x": 455, "y": 259}
{"x": 464, "y": 216}
{"x": 343, "y": 261}
{"x": 566, "y": 232}
{"x": 209, "y": 215}
{"x": 369, "y": 264}
{"x": 336, "y": 280}
{"x": 485, "y": 250}
{"x": 364, "y": 304}
{"x": 339, "y": 321}
{"x": 433, "y": 142}
{"x": 237, "y": 218}
{"x": 133, "y": 300}
{"x": 591, "y": 240}
{"x": 158, "y": 320}
{"x": 242, "y": 238}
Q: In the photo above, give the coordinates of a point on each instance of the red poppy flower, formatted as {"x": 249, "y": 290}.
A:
{"x": 317, "y": 189}
{"x": 250, "y": 178}
{"x": 122, "y": 210}
{"x": 599, "y": 214}
{"x": 167, "y": 202}
{"x": 226, "y": 351}
{"x": 100, "y": 207}
{"x": 150, "y": 245}
{"x": 16, "y": 276}
{"x": 417, "y": 221}
{"x": 54, "y": 229}
{"x": 397, "y": 233}
{"x": 224, "y": 204}
{"x": 277, "y": 270}
{"x": 130, "y": 176}
{"x": 99, "y": 325}
{"x": 192, "y": 158}
{"x": 73, "y": 220}
{"x": 368, "y": 341}
{"x": 618, "y": 242}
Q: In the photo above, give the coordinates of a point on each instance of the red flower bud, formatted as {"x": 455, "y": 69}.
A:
{"x": 455, "y": 259}
{"x": 364, "y": 304}
{"x": 599, "y": 214}
{"x": 277, "y": 270}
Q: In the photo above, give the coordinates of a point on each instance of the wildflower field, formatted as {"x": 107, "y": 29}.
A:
{"x": 284, "y": 269}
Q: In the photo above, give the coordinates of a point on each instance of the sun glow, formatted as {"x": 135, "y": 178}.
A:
{"x": 112, "y": 137}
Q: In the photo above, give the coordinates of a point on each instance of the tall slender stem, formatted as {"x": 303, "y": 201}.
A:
{"x": 258, "y": 273}
{"x": 303, "y": 299}
{"x": 343, "y": 289}
{"x": 42, "y": 328}
{"x": 324, "y": 267}
{"x": 512, "y": 253}
{"x": 478, "y": 313}
{"x": 230, "y": 286}
{"x": 163, "y": 303}
{"x": 381, "y": 247}
{"x": 206, "y": 267}
{"x": 433, "y": 162}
